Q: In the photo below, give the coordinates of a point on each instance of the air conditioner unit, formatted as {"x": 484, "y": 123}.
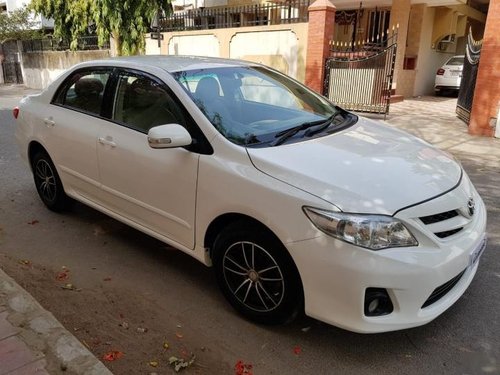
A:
{"x": 445, "y": 42}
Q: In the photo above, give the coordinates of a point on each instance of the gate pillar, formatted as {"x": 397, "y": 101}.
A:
{"x": 320, "y": 32}
{"x": 400, "y": 15}
{"x": 487, "y": 94}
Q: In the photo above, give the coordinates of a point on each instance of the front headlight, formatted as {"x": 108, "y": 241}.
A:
{"x": 373, "y": 232}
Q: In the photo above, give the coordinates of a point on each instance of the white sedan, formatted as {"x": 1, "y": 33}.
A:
{"x": 449, "y": 76}
{"x": 297, "y": 204}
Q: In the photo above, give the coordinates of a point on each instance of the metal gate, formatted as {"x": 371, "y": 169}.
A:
{"x": 469, "y": 75}
{"x": 12, "y": 72}
{"x": 11, "y": 67}
{"x": 358, "y": 76}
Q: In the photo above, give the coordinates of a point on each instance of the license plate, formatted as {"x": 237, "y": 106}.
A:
{"x": 455, "y": 73}
{"x": 476, "y": 254}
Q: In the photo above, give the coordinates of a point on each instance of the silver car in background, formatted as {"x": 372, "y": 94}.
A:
{"x": 449, "y": 76}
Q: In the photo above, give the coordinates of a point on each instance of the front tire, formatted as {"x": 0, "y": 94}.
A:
{"x": 48, "y": 184}
{"x": 257, "y": 275}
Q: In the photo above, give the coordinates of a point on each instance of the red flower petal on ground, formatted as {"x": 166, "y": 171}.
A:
{"x": 112, "y": 356}
{"x": 241, "y": 368}
{"x": 61, "y": 276}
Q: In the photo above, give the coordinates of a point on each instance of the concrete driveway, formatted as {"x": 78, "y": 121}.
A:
{"x": 434, "y": 119}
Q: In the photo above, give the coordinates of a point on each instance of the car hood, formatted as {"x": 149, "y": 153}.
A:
{"x": 368, "y": 168}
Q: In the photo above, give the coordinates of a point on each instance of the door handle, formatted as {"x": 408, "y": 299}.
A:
{"x": 49, "y": 122}
{"x": 107, "y": 141}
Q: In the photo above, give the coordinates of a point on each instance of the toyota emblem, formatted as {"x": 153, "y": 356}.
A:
{"x": 471, "y": 205}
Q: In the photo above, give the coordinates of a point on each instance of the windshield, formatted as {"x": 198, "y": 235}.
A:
{"x": 252, "y": 106}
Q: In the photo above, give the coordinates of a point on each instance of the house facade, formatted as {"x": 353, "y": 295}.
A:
{"x": 429, "y": 33}
{"x": 11, "y": 5}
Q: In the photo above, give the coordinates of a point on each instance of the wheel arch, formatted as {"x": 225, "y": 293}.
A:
{"x": 222, "y": 221}
{"x": 237, "y": 221}
{"x": 33, "y": 148}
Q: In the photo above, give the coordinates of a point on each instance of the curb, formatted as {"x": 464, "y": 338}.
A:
{"x": 49, "y": 342}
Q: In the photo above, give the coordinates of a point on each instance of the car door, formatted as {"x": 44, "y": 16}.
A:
{"x": 73, "y": 122}
{"x": 155, "y": 188}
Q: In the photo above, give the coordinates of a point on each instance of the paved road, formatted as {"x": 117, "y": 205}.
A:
{"x": 119, "y": 268}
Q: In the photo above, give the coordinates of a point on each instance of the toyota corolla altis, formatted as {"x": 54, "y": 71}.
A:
{"x": 297, "y": 204}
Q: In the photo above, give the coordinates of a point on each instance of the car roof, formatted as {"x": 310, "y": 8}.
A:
{"x": 170, "y": 63}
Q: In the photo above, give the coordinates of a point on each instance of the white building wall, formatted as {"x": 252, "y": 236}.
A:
{"x": 282, "y": 47}
{"x": 152, "y": 46}
{"x": 40, "y": 78}
{"x": 279, "y": 48}
{"x": 276, "y": 48}
{"x": 213, "y": 3}
{"x": 197, "y": 45}
{"x": 193, "y": 4}
{"x": 14, "y": 4}
{"x": 42, "y": 68}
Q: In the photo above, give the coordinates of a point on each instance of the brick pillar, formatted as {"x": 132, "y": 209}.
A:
{"x": 487, "y": 93}
{"x": 400, "y": 14}
{"x": 320, "y": 32}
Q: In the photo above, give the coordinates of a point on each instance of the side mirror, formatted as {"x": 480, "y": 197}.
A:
{"x": 169, "y": 136}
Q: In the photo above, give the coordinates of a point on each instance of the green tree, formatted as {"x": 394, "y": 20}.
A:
{"x": 125, "y": 20}
{"x": 18, "y": 24}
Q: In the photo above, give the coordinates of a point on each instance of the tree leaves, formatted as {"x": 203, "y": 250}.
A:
{"x": 125, "y": 21}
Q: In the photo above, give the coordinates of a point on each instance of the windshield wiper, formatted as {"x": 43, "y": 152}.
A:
{"x": 316, "y": 130}
{"x": 286, "y": 134}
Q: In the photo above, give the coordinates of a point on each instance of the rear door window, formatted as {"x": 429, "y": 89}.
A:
{"x": 84, "y": 91}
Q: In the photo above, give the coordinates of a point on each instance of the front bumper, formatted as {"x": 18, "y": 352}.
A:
{"x": 335, "y": 274}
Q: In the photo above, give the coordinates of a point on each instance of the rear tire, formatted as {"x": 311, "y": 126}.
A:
{"x": 48, "y": 184}
{"x": 257, "y": 275}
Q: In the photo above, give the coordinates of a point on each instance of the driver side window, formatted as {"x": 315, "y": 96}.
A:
{"x": 142, "y": 103}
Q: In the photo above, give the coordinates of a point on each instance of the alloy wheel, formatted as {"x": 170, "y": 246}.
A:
{"x": 253, "y": 276}
{"x": 46, "y": 180}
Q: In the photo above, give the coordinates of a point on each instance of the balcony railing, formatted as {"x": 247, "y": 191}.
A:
{"x": 293, "y": 11}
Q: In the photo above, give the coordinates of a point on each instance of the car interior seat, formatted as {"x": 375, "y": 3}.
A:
{"x": 207, "y": 97}
{"x": 88, "y": 95}
{"x": 148, "y": 105}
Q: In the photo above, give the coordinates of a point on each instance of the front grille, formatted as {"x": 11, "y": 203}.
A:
{"x": 441, "y": 291}
{"x": 448, "y": 233}
{"x": 439, "y": 224}
{"x": 431, "y": 219}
